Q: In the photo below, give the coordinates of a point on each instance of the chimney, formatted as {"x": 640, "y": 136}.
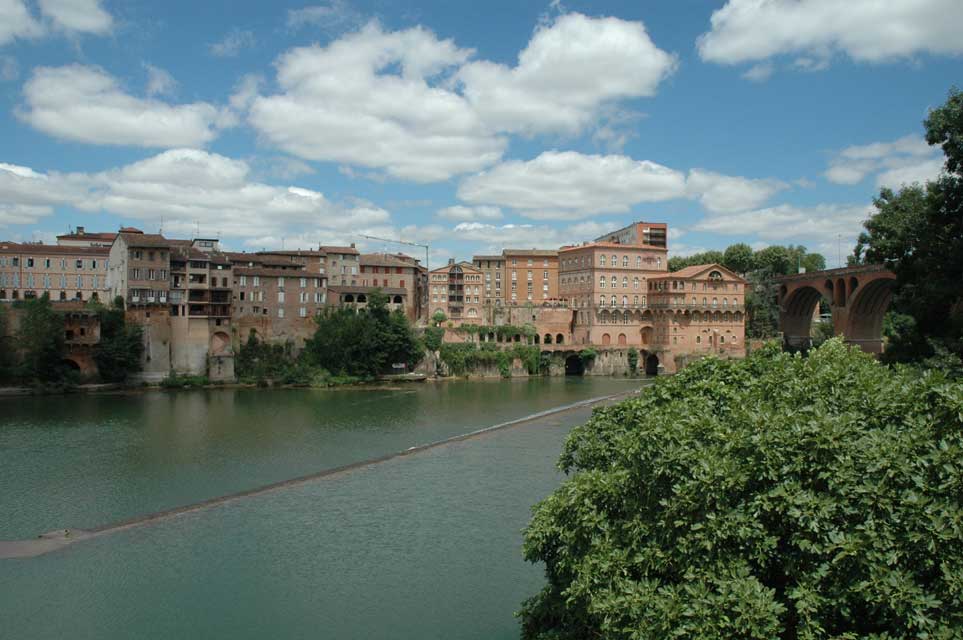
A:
{"x": 451, "y": 261}
{"x": 80, "y": 231}
{"x": 352, "y": 245}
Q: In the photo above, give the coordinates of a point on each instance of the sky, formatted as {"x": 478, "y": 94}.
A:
{"x": 467, "y": 126}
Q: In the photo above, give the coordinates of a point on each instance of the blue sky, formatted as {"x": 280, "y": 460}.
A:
{"x": 469, "y": 126}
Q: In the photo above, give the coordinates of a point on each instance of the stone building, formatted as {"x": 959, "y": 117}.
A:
{"x": 278, "y": 304}
{"x": 531, "y": 275}
{"x": 342, "y": 265}
{"x": 493, "y": 272}
{"x": 396, "y": 276}
{"x": 63, "y": 272}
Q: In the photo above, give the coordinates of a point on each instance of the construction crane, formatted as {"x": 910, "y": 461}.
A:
{"x": 410, "y": 244}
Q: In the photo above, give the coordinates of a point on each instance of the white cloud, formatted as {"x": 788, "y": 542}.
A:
{"x": 159, "y": 82}
{"x": 232, "y": 44}
{"x": 345, "y": 103}
{"x": 759, "y": 72}
{"x": 569, "y": 185}
{"x": 86, "y": 104}
{"x": 78, "y": 16}
{"x": 336, "y": 14}
{"x": 470, "y": 214}
{"x": 726, "y": 194}
{"x": 16, "y": 22}
{"x": 813, "y": 30}
{"x": 184, "y": 187}
{"x": 788, "y": 223}
{"x": 902, "y": 161}
{"x": 568, "y": 70}
{"x": 9, "y": 69}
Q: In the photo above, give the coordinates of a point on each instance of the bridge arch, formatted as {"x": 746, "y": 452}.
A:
{"x": 858, "y": 299}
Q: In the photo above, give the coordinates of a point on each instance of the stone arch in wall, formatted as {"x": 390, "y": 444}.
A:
{"x": 220, "y": 344}
{"x": 623, "y": 340}
{"x": 606, "y": 339}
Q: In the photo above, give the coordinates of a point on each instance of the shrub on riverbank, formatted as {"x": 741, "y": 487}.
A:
{"x": 463, "y": 357}
{"x": 175, "y": 380}
{"x": 775, "y": 497}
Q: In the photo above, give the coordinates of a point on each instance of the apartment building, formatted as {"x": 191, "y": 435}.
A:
{"x": 457, "y": 291}
{"x": 397, "y": 276}
{"x": 652, "y": 234}
{"x": 277, "y": 304}
{"x": 62, "y": 272}
{"x": 342, "y": 265}
{"x": 531, "y": 275}
{"x": 492, "y": 268}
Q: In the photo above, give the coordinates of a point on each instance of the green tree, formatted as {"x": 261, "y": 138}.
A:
{"x": 121, "y": 346}
{"x": 439, "y": 318}
{"x": 41, "y": 340}
{"x": 365, "y": 342}
{"x": 739, "y": 258}
{"x": 776, "y": 259}
{"x": 7, "y": 353}
{"x": 773, "y": 497}
{"x": 633, "y": 359}
{"x": 918, "y": 233}
{"x": 762, "y": 308}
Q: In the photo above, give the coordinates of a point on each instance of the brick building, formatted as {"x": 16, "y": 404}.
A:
{"x": 63, "y": 272}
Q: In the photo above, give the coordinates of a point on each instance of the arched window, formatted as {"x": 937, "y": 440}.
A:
{"x": 722, "y": 339}
{"x": 601, "y": 301}
{"x": 614, "y": 301}
{"x": 625, "y": 261}
{"x": 635, "y": 300}
{"x": 715, "y": 302}
{"x": 615, "y": 282}
{"x": 625, "y": 301}
{"x": 643, "y": 301}
{"x": 725, "y": 302}
{"x": 602, "y": 260}
{"x": 703, "y": 302}
{"x": 601, "y": 282}
{"x": 635, "y": 283}
{"x": 615, "y": 260}
{"x": 472, "y": 312}
{"x": 638, "y": 262}
{"x": 625, "y": 282}
{"x": 658, "y": 262}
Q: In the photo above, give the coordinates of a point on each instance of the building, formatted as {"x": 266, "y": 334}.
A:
{"x": 456, "y": 291}
{"x": 652, "y": 234}
{"x": 342, "y": 265}
{"x": 397, "y": 276}
{"x": 278, "y": 304}
{"x": 531, "y": 275}
{"x": 82, "y": 238}
{"x": 63, "y": 272}
{"x": 493, "y": 272}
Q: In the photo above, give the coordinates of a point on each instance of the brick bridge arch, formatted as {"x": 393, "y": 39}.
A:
{"x": 858, "y": 299}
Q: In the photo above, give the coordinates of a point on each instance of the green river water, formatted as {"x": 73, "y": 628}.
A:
{"x": 423, "y": 546}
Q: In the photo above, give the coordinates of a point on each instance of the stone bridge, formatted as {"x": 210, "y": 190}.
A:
{"x": 858, "y": 298}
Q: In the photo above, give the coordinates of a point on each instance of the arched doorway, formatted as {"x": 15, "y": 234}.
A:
{"x": 548, "y": 339}
{"x": 574, "y": 365}
{"x": 622, "y": 339}
{"x": 559, "y": 339}
{"x": 606, "y": 339}
{"x": 652, "y": 365}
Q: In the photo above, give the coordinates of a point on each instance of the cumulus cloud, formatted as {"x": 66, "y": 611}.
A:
{"x": 469, "y": 214}
{"x": 788, "y": 223}
{"x": 814, "y": 30}
{"x": 759, "y": 72}
{"x": 726, "y": 194}
{"x": 232, "y": 44}
{"x": 416, "y": 107}
{"x": 16, "y": 22}
{"x": 903, "y": 161}
{"x": 568, "y": 70}
{"x": 345, "y": 103}
{"x": 567, "y": 185}
{"x": 184, "y": 187}
{"x": 86, "y": 104}
{"x": 78, "y": 16}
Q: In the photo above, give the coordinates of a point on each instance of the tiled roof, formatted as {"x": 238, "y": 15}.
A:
{"x": 271, "y": 273}
{"x": 240, "y": 258}
{"x": 385, "y": 260}
{"x": 51, "y": 249}
{"x": 334, "y": 249}
{"x": 144, "y": 240}
{"x": 531, "y": 252}
{"x": 488, "y": 257}
{"x": 89, "y": 235}
{"x": 294, "y": 252}
{"x": 696, "y": 269}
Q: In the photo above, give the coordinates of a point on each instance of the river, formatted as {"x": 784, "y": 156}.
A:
{"x": 422, "y": 546}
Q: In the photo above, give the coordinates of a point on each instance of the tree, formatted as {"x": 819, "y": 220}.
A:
{"x": 439, "y": 318}
{"x": 773, "y": 497}
{"x": 41, "y": 340}
{"x": 121, "y": 346}
{"x": 917, "y": 232}
{"x": 7, "y": 355}
{"x": 776, "y": 259}
{"x": 739, "y": 258}
{"x": 364, "y": 342}
{"x": 762, "y": 308}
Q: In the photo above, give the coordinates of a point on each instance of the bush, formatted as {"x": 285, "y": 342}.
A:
{"x": 772, "y": 497}
{"x": 463, "y": 357}
{"x": 633, "y": 358}
{"x": 179, "y": 381}
{"x": 121, "y": 345}
{"x": 433, "y": 338}
{"x": 588, "y": 354}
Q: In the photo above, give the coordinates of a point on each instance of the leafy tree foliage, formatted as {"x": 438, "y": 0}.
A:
{"x": 918, "y": 233}
{"x": 773, "y": 497}
{"x": 41, "y": 341}
{"x": 463, "y": 357}
{"x": 433, "y": 338}
{"x": 633, "y": 359}
{"x": 739, "y": 257}
{"x": 365, "y": 342}
{"x": 121, "y": 345}
{"x": 762, "y": 310}
{"x": 439, "y": 317}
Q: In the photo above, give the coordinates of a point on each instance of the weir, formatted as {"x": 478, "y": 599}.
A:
{"x": 60, "y": 538}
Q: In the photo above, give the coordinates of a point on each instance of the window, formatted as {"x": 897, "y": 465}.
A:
{"x": 615, "y": 282}
{"x": 280, "y": 297}
{"x": 635, "y": 283}
{"x": 242, "y": 281}
{"x": 601, "y": 261}
{"x": 281, "y": 282}
{"x": 303, "y": 312}
{"x": 317, "y": 283}
{"x": 29, "y": 262}
{"x": 602, "y": 283}
{"x": 614, "y": 301}
{"x": 280, "y": 312}
{"x": 601, "y": 301}
{"x": 625, "y": 261}
{"x": 318, "y": 297}
{"x": 93, "y": 264}
{"x": 615, "y": 260}
{"x": 46, "y": 263}
{"x": 303, "y": 283}
{"x": 257, "y": 281}
{"x": 625, "y": 282}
